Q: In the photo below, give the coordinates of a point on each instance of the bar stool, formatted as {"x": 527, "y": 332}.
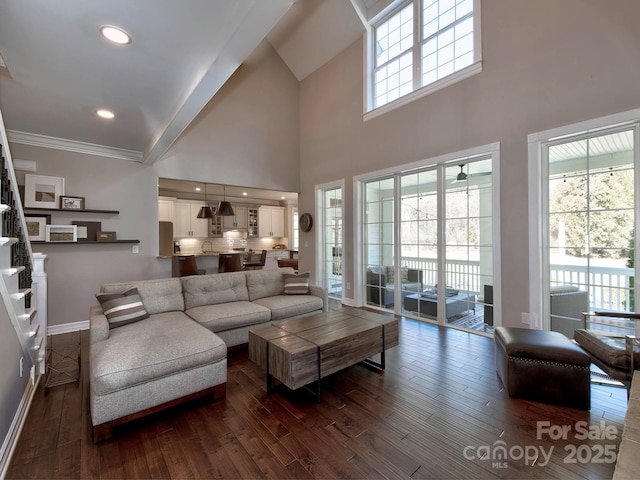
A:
{"x": 250, "y": 265}
{"x": 230, "y": 262}
{"x": 183, "y": 266}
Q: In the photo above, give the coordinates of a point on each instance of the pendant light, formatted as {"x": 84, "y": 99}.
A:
{"x": 224, "y": 208}
{"x": 205, "y": 211}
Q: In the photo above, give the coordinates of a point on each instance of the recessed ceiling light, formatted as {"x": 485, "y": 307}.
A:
{"x": 197, "y": 189}
{"x": 281, "y": 198}
{"x": 244, "y": 194}
{"x": 115, "y": 35}
{"x": 109, "y": 115}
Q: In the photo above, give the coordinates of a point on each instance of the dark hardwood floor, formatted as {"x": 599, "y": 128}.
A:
{"x": 433, "y": 414}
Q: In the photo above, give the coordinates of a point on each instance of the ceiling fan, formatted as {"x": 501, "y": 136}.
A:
{"x": 463, "y": 177}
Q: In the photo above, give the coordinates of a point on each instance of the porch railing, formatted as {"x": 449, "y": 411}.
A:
{"x": 609, "y": 287}
{"x": 463, "y": 275}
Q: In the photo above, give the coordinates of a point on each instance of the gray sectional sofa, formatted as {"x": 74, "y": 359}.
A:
{"x": 177, "y": 349}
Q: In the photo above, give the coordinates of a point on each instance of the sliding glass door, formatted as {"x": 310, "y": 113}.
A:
{"x": 431, "y": 227}
{"x": 469, "y": 244}
{"x": 378, "y": 252}
{"x": 419, "y": 241}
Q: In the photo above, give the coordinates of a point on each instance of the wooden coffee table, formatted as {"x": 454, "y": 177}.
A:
{"x": 302, "y": 351}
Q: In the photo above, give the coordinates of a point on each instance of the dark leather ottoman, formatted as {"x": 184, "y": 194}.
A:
{"x": 543, "y": 366}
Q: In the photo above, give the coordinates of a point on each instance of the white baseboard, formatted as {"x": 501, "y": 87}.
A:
{"x": 11, "y": 440}
{"x": 349, "y": 302}
{"x": 67, "y": 327}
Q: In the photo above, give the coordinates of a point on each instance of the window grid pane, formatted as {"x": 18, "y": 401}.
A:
{"x": 393, "y": 79}
{"x": 394, "y": 36}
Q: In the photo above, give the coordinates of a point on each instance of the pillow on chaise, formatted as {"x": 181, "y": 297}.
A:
{"x": 122, "y": 308}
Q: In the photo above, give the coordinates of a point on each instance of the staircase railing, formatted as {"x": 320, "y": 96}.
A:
{"x": 16, "y": 266}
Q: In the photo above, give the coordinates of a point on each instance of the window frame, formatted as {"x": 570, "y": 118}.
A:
{"x": 418, "y": 91}
{"x": 538, "y": 316}
{"x": 320, "y": 211}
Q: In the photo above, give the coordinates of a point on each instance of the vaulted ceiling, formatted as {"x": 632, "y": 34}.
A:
{"x": 56, "y": 70}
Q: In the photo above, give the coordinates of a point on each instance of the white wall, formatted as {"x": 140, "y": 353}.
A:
{"x": 546, "y": 64}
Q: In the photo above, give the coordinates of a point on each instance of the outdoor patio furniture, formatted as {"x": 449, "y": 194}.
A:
{"x": 567, "y": 302}
{"x": 426, "y": 303}
{"x": 381, "y": 285}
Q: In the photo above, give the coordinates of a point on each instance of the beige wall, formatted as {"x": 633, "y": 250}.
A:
{"x": 248, "y": 134}
{"x": 546, "y": 64}
{"x": 243, "y": 137}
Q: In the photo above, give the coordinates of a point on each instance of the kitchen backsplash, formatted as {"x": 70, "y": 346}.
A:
{"x": 229, "y": 241}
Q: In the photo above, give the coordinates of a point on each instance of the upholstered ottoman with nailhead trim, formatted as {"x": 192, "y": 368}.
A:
{"x": 543, "y": 366}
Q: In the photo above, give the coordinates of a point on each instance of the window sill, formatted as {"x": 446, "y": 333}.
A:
{"x": 452, "y": 79}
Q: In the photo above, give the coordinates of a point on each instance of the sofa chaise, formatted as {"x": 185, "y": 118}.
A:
{"x": 158, "y": 343}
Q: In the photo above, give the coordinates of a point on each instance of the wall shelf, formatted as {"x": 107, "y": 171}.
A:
{"x": 92, "y": 242}
{"x": 71, "y": 210}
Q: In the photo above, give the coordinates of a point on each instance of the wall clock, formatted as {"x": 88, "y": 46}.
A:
{"x": 305, "y": 222}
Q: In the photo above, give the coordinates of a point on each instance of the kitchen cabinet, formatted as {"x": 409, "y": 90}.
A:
{"x": 215, "y": 227}
{"x": 165, "y": 210}
{"x": 270, "y": 221}
{"x": 252, "y": 221}
{"x": 239, "y": 221}
{"x": 185, "y": 221}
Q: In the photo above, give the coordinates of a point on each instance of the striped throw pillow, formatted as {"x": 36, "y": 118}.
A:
{"x": 122, "y": 308}
{"x": 296, "y": 284}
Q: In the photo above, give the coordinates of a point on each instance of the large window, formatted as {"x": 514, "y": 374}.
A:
{"x": 418, "y": 44}
{"x": 591, "y": 229}
{"x": 586, "y": 208}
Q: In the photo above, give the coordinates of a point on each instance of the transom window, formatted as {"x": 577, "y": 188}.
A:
{"x": 418, "y": 44}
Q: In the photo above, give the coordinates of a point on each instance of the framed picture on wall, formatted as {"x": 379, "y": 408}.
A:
{"x": 62, "y": 233}
{"x": 88, "y": 231}
{"x": 71, "y": 203}
{"x": 37, "y": 226}
{"x": 42, "y": 192}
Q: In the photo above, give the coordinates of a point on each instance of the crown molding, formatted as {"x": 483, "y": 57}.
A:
{"x": 36, "y": 140}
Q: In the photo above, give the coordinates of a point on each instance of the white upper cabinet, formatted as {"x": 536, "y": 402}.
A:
{"x": 271, "y": 221}
{"x": 238, "y": 221}
{"x": 185, "y": 221}
{"x": 165, "y": 210}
